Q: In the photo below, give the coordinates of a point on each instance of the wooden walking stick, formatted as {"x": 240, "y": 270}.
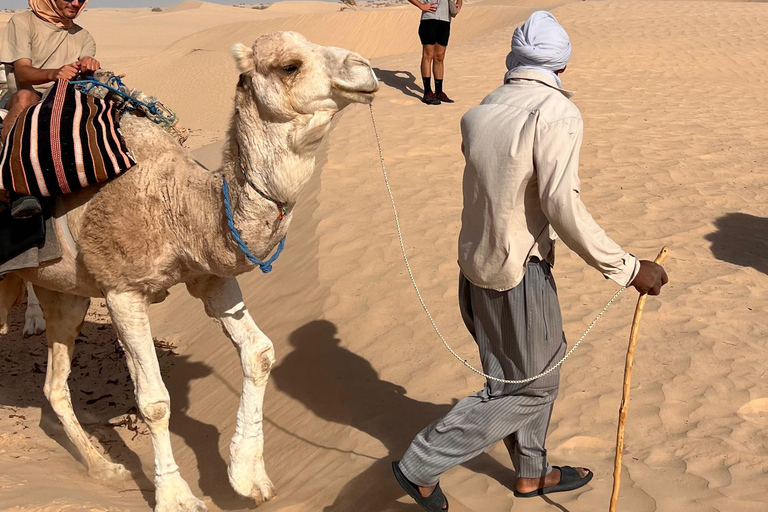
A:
{"x": 627, "y": 379}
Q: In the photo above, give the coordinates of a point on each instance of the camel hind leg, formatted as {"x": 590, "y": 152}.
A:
{"x": 11, "y": 293}
{"x": 34, "y": 320}
{"x": 65, "y": 315}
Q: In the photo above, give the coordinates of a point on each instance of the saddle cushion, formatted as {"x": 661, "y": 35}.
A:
{"x": 66, "y": 142}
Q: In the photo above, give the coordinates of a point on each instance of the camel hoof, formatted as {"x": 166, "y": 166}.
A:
{"x": 259, "y": 489}
{"x": 263, "y": 492}
{"x": 189, "y": 504}
{"x": 173, "y": 495}
{"x": 34, "y": 324}
{"x": 109, "y": 472}
{"x": 4, "y": 329}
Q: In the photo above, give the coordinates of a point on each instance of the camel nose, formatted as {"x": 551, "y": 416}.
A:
{"x": 355, "y": 59}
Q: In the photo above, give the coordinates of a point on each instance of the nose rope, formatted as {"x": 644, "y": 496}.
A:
{"x": 424, "y": 305}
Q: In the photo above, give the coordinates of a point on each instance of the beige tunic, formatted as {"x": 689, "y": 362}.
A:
{"x": 521, "y": 186}
{"x": 46, "y": 45}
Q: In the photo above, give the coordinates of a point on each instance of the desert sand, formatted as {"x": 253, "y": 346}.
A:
{"x": 674, "y": 101}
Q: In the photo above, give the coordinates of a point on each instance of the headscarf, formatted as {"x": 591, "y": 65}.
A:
{"x": 540, "y": 44}
{"x": 47, "y": 10}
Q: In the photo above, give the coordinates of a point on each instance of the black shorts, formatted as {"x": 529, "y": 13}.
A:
{"x": 434, "y": 32}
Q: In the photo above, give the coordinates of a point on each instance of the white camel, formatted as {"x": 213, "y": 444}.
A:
{"x": 164, "y": 223}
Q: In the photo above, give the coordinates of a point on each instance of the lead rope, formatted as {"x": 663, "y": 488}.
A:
{"x": 429, "y": 315}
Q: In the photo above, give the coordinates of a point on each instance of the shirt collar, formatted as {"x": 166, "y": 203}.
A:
{"x": 535, "y": 76}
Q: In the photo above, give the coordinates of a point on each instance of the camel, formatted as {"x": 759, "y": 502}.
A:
{"x": 12, "y": 293}
{"x": 164, "y": 222}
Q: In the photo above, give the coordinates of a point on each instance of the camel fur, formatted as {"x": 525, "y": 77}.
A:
{"x": 163, "y": 223}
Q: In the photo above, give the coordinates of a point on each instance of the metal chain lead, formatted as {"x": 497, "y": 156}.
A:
{"x": 429, "y": 315}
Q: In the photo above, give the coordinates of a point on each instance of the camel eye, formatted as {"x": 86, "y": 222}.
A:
{"x": 291, "y": 68}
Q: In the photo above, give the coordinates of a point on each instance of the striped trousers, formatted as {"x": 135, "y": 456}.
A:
{"x": 519, "y": 334}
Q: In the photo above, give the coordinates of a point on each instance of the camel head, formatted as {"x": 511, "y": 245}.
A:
{"x": 287, "y": 76}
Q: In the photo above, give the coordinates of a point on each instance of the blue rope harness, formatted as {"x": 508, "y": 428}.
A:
{"x": 266, "y": 266}
{"x": 90, "y": 83}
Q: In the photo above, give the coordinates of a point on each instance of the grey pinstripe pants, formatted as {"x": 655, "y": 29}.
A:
{"x": 519, "y": 334}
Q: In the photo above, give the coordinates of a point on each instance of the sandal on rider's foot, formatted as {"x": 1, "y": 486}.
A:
{"x": 570, "y": 479}
{"x": 434, "y": 503}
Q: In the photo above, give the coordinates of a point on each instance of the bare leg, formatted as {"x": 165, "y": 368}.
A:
{"x": 224, "y": 303}
{"x": 19, "y": 101}
{"x": 11, "y": 292}
{"x": 438, "y": 62}
{"x": 34, "y": 321}
{"x": 427, "y": 55}
{"x": 65, "y": 314}
{"x": 129, "y": 315}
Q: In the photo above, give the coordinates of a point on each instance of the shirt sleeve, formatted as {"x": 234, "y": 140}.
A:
{"x": 17, "y": 42}
{"x": 89, "y": 47}
{"x": 556, "y": 159}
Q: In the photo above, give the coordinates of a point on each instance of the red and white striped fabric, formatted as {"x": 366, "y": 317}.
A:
{"x": 66, "y": 142}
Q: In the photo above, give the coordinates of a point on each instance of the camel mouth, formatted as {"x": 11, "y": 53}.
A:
{"x": 358, "y": 95}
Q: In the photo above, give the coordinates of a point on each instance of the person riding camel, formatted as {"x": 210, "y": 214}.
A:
{"x": 41, "y": 46}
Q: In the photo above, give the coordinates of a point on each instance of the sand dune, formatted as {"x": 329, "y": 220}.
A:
{"x": 673, "y": 99}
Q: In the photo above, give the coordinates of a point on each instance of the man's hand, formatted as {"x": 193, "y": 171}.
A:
{"x": 650, "y": 278}
{"x": 67, "y": 72}
{"x": 459, "y": 3}
{"x": 428, "y": 7}
{"x": 89, "y": 65}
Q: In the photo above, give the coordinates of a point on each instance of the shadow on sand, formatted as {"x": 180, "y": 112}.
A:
{"x": 741, "y": 239}
{"x": 404, "y": 81}
{"x": 342, "y": 387}
{"x": 102, "y": 391}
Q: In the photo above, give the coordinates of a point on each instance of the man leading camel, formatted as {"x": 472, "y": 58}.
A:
{"x": 521, "y": 189}
{"x": 40, "y": 46}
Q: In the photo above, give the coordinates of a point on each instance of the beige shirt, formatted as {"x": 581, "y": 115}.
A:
{"x": 45, "y": 44}
{"x": 521, "y": 186}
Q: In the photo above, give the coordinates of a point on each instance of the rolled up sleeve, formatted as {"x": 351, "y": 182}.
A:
{"x": 17, "y": 42}
{"x": 89, "y": 47}
{"x": 556, "y": 159}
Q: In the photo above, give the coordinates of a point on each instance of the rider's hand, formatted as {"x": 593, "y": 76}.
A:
{"x": 89, "y": 65}
{"x": 67, "y": 72}
{"x": 429, "y": 7}
{"x": 650, "y": 278}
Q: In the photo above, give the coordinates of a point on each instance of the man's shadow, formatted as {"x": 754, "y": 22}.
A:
{"x": 342, "y": 387}
{"x": 741, "y": 239}
{"x": 403, "y": 81}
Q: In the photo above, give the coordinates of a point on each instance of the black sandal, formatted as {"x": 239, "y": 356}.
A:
{"x": 434, "y": 503}
{"x": 570, "y": 479}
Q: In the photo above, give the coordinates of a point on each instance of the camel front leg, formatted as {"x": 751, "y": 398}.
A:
{"x": 129, "y": 316}
{"x": 224, "y": 303}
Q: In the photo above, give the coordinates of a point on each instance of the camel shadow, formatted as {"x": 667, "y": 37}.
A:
{"x": 741, "y": 239}
{"x": 344, "y": 388}
{"x": 102, "y": 396}
{"x": 404, "y": 81}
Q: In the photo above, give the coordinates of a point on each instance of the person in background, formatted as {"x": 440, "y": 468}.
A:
{"x": 434, "y": 32}
{"x": 40, "y": 46}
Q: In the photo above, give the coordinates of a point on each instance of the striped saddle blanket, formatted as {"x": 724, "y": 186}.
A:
{"x": 66, "y": 142}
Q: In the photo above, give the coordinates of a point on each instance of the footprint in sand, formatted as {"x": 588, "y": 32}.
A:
{"x": 755, "y": 410}
{"x": 582, "y": 444}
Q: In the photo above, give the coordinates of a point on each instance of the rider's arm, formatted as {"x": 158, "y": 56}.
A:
{"x": 28, "y": 75}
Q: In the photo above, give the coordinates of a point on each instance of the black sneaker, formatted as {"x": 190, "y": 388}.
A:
{"x": 444, "y": 98}
{"x": 430, "y": 99}
{"x": 25, "y": 207}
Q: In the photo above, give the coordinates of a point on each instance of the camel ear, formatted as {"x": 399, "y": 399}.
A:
{"x": 243, "y": 58}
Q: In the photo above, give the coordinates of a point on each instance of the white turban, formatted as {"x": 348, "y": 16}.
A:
{"x": 540, "y": 44}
